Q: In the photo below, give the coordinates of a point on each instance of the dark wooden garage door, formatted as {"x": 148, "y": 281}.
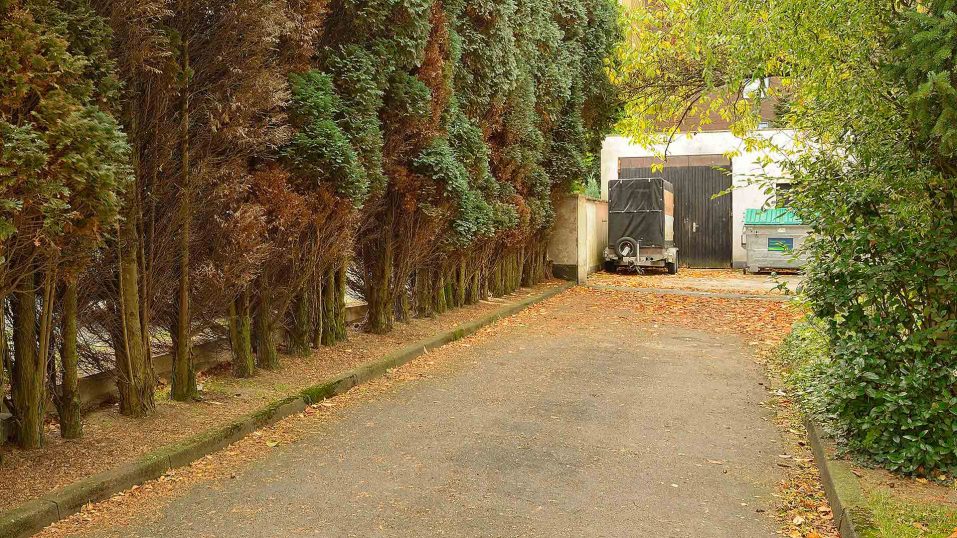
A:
{"x": 703, "y": 225}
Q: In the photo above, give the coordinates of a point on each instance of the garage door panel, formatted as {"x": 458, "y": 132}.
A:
{"x": 703, "y": 226}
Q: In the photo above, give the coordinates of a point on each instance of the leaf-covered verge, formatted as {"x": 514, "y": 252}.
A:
{"x": 868, "y": 89}
{"x": 803, "y": 508}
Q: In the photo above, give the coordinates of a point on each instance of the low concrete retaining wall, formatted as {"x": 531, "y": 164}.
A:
{"x": 97, "y": 389}
{"x": 34, "y": 515}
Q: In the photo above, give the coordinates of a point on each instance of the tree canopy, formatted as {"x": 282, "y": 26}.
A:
{"x": 868, "y": 88}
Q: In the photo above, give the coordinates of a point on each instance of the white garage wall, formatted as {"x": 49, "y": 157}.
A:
{"x": 745, "y": 168}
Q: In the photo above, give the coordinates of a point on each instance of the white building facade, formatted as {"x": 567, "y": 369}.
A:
{"x": 718, "y": 153}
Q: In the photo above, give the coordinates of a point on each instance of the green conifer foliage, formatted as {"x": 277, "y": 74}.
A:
{"x": 63, "y": 165}
{"x": 321, "y": 152}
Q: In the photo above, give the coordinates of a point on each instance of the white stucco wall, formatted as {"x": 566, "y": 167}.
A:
{"x": 745, "y": 168}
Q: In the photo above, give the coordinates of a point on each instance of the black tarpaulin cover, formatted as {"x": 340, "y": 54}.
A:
{"x": 630, "y": 195}
{"x": 636, "y": 210}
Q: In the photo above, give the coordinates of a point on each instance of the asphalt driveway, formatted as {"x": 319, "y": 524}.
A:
{"x": 572, "y": 419}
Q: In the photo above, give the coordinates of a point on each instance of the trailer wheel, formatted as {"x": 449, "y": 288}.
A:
{"x": 672, "y": 267}
{"x": 626, "y": 247}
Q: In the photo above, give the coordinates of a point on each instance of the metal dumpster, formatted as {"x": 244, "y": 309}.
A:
{"x": 772, "y": 238}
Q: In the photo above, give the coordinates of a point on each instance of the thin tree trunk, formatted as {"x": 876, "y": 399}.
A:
{"x": 403, "y": 304}
{"x": 183, "y": 376}
{"x": 543, "y": 269}
{"x": 266, "y": 352}
{"x": 481, "y": 290}
{"x": 474, "y": 288}
{"x": 528, "y": 271}
{"x": 135, "y": 380}
{"x": 328, "y": 308}
{"x": 449, "y": 289}
{"x": 28, "y": 380}
{"x": 510, "y": 272}
{"x": 298, "y": 335}
{"x": 513, "y": 273}
{"x": 403, "y": 307}
{"x": 496, "y": 285}
{"x": 461, "y": 284}
{"x": 506, "y": 273}
{"x": 422, "y": 300}
{"x": 378, "y": 289}
{"x": 519, "y": 267}
{"x": 183, "y": 379}
{"x": 68, "y": 400}
{"x": 240, "y": 336}
{"x": 438, "y": 291}
{"x": 340, "y": 311}
{"x": 318, "y": 316}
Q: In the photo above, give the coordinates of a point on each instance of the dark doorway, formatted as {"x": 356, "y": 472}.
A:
{"x": 703, "y": 226}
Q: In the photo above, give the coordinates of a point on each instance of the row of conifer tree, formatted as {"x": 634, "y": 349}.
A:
{"x": 171, "y": 169}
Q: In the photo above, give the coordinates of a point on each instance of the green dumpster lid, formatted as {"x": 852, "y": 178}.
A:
{"x": 771, "y": 217}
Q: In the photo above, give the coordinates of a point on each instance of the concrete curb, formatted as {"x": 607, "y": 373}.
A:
{"x": 841, "y": 485}
{"x": 33, "y": 516}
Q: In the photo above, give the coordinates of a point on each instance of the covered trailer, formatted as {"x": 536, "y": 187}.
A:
{"x": 641, "y": 220}
{"x": 772, "y": 239}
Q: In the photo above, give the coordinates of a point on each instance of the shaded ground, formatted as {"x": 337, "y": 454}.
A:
{"x": 598, "y": 413}
{"x": 111, "y": 439}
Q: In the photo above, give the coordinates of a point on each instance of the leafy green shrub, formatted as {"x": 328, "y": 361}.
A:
{"x": 878, "y": 407}
{"x": 881, "y": 277}
{"x": 806, "y": 354}
{"x": 883, "y": 271}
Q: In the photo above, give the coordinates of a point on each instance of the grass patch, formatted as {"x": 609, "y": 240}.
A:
{"x": 897, "y": 517}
